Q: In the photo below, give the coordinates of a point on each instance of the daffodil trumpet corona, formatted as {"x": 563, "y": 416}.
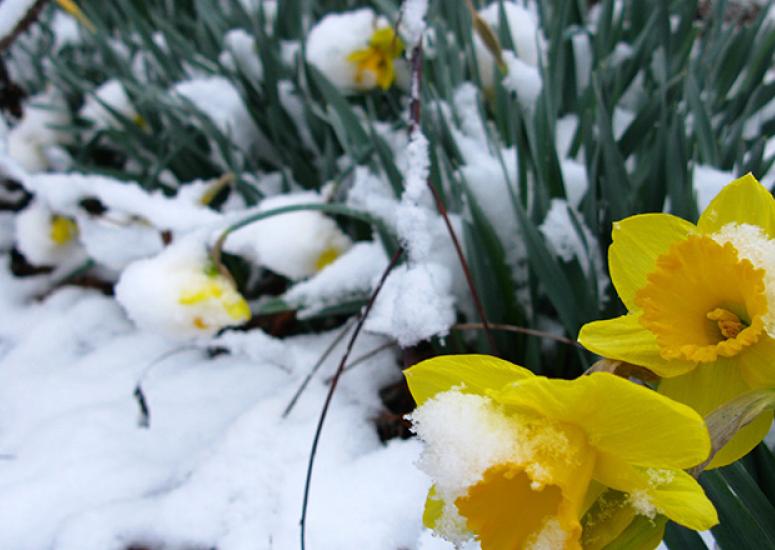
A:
{"x": 701, "y": 304}
{"x": 518, "y": 461}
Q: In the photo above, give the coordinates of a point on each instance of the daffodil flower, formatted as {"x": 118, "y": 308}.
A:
{"x": 517, "y": 459}
{"x": 701, "y": 302}
{"x": 180, "y": 293}
{"x": 213, "y": 300}
{"x": 375, "y": 62}
{"x": 44, "y": 237}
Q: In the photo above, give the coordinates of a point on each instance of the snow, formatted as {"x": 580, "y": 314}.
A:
{"x": 563, "y": 237}
{"x": 241, "y": 54}
{"x": 30, "y": 140}
{"x": 108, "y": 97}
{"x": 11, "y": 14}
{"x": 522, "y": 79}
{"x": 525, "y": 35}
{"x": 217, "y": 98}
{"x": 349, "y": 276}
{"x": 413, "y": 21}
{"x": 217, "y": 467}
{"x": 66, "y": 30}
{"x": 414, "y": 215}
{"x": 64, "y": 192}
{"x": 415, "y": 304}
{"x": 116, "y": 243}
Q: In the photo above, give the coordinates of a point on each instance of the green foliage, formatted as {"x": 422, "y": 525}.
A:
{"x": 691, "y": 77}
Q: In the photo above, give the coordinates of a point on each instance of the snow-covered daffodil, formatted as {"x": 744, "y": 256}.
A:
{"x": 701, "y": 302}
{"x": 296, "y": 244}
{"x": 356, "y": 50}
{"x": 44, "y": 237}
{"x": 374, "y": 63}
{"x": 180, "y": 293}
{"x": 517, "y": 459}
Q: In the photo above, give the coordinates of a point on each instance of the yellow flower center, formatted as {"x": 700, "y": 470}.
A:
{"x": 326, "y": 258}
{"x": 491, "y": 507}
{"x": 377, "y": 58}
{"x": 546, "y": 489}
{"x": 703, "y": 302}
{"x": 216, "y": 292}
{"x": 62, "y": 230}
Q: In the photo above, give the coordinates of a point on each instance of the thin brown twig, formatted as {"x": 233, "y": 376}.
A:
{"x": 29, "y": 19}
{"x": 359, "y": 325}
{"x": 368, "y": 355}
{"x": 519, "y": 330}
{"x": 328, "y": 351}
{"x": 415, "y": 107}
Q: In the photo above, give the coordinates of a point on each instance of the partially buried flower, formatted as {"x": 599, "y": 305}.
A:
{"x": 295, "y": 244}
{"x": 517, "y": 459}
{"x": 180, "y": 293}
{"x": 44, "y": 237}
{"x": 701, "y": 301}
{"x": 356, "y": 51}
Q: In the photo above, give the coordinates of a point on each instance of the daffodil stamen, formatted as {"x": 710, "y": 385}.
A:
{"x": 729, "y": 324}
{"x": 690, "y": 306}
{"x": 376, "y": 60}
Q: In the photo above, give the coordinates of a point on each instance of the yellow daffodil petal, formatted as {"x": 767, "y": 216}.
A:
{"x": 637, "y": 243}
{"x": 682, "y": 499}
{"x": 625, "y": 339}
{"x": 745, "y": 200}
{"x": 620, "y": 417}
{"x": 757, "y": 365}
{"x": 606, "y": 519}
{"x": 434, "y": 508}
{"x": 709, "y": 387}
{"x": 743, "y": 442}
{"x": 670, "y": 492}
{"x": 474, "y": 373}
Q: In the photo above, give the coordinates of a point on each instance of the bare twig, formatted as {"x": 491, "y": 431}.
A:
{"x": 24, "y": 23}
{"x": 315, "y": 368}
{"x": 519, "y": 330}
{"x": 332, "y": 389}
{"x": 415, "y": 107}
{"x": 368, "y": 355}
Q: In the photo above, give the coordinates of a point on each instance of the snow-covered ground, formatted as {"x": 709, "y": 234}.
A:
{"x": 217, "y": 467}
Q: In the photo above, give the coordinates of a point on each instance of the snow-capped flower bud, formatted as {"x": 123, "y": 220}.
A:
{"x": 295, "y": 245}
{"x": 45, "y": 237}
{"x": 180, "y": 293}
